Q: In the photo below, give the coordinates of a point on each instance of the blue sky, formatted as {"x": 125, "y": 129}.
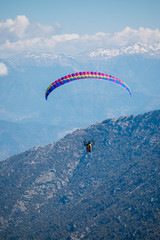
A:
{"x": 86, "y": 16}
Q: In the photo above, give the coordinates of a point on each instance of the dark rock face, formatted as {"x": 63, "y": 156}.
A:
{"x": 61, "y": 192}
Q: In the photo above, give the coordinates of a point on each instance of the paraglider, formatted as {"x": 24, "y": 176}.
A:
{"x": 89, "y": 145}
{"x": 85, "y": 75}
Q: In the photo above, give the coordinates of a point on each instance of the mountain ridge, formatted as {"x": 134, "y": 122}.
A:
{"x": 61, "y": 192}
{"x": 48, "y": 58}
{"x": 137, "y": 48}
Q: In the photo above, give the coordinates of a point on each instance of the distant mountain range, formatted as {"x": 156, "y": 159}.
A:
{"x": 19, "y": 137}
{"x": 59, "y": 191}
{"x": 47, "y": 58}
{"x": 138, "y": 48}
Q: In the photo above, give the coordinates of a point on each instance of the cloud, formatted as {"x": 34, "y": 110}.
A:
{"x": 125, "y": 37}
{"x": 22, "y": 29}
{"x": 20, "y": 35}
{"x": 129, "y": 35}
{"x": 3, "y": 69}
{"x": 38, "y": 44}
{"x": 13, "y": 29}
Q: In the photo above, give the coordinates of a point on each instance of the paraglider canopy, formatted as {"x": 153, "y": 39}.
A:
{"x": 84, "y": 75}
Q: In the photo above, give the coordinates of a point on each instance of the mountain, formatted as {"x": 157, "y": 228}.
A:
{"x": 61, "y": 192}
{"x": 137, "y": 48}
{"x": 18, "y": 137}
{"x": 48, "y": 58}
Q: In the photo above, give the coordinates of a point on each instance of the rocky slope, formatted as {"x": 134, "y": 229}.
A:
{"x": 61, "y": 192}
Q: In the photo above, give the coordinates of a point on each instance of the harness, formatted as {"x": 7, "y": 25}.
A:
{"x": 89, "y": 147}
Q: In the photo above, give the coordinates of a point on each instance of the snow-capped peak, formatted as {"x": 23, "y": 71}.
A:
{"x": 137, "y": 48}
